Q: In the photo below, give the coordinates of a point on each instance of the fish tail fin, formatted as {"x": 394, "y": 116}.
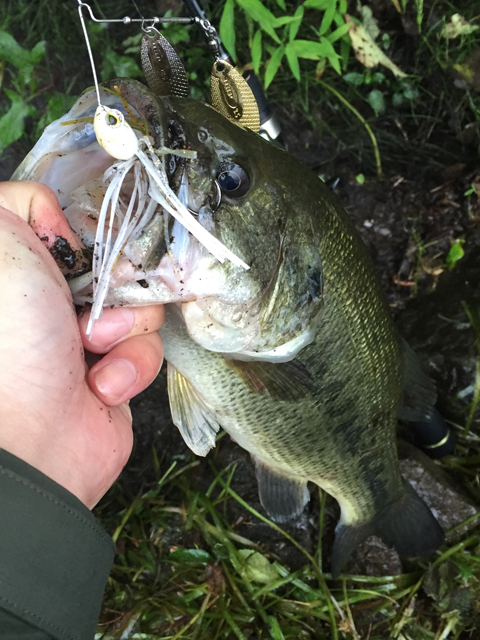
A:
{"x": 407, "y": 524}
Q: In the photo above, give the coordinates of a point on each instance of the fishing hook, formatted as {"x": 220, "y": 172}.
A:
{"x": 217, "y": 203}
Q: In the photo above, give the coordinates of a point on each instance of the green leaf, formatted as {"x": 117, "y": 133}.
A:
{"x": 227, "y": 28}
{"x": 191, "y": 595}
{"x": 386, "y": 41}
{"x": 12, "y": 123}
{"x": 295, "y": 25}
{"x": 175, "y": 32}
{"x": 12, "y": 52}
{"x": 23, "y": 60}
{"x": 360, "y": 178}
{"x": 338, "y": 33}
{"x": 328, "y": 17}
{"x": 331, "y": 54}
{"x": 132, "y": 44}
{"x": 398, "y": 99}
{"x": 58, "y": 105}
{"x": 354, "y": 78}
{"x": 190, "y": 555}
{"x": 411, "y": 93}
{"x": 282, "y": 5}
{"x": 377, "y": 101}
{"x": 275, "y": 628}
{"x": 308, "y": 49}
{"x": 455, "y": 254}
{"x": 258, "y": 568}
{"x": 322, "y": 5}
{"x": 273, "y": 65}
{"x": 378, "y": 76}
{"x": 345, "y": 48}
{"x": 257, "y": 51}
{"x": 293, "y": 61}
{"x": 262, "y": 15}
{"x": 114, "y": 65}
{"x": 283, "y": 20}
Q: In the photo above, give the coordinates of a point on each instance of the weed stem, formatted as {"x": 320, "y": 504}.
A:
{"x": 344, "y": 101}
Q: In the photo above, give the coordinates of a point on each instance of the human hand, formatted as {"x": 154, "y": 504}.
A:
{"x": 72, "y": 424}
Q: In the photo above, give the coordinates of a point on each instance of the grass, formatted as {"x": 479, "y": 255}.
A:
{"x": 182, "y": 571}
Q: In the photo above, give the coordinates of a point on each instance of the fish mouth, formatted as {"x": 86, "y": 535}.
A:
{"x": 153, "y": 267}
{"x": 162, "y": 262}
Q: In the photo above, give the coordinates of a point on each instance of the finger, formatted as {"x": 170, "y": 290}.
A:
{"x": 117, "y": 325}
{"x": 23, "y": 252}
{"x": 127, "y": 370}
{"x": 37, "y": 204}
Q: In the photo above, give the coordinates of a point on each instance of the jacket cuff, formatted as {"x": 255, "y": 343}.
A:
{"x": 54, "y": 557}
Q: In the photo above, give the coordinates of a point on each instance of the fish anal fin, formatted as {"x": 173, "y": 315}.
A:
{"x": 195, "y": 420}
{"x": 407, "y": 524}
{"x": 347, "y": 539}
{"x": 282, "y": 496}
{"x": 288, "y": 381}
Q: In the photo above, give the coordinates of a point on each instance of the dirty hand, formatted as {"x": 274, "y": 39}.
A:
{"x": 72, "y": 424}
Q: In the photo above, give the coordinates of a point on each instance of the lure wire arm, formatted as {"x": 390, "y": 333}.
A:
{"x": 89, "y": 48}
{"x": 128, "y": 20}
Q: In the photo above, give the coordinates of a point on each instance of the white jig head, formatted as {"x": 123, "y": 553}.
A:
{"x": 114, "y": 134}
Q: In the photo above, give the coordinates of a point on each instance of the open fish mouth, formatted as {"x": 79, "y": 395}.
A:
{"x": 162, "y": 228}
{"x": 126, "y": 212}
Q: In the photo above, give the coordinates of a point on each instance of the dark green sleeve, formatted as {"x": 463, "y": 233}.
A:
{"x": 54, "y": 558}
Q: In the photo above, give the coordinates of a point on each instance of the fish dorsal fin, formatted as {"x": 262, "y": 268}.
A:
{"x": 195, "y": 420}
{"x": 288, "y": 381}
{"x": 419, "y": 394}
{"x": 282, "y": 496}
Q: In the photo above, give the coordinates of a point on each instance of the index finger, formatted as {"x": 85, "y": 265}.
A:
{"x": 119, "y": 324}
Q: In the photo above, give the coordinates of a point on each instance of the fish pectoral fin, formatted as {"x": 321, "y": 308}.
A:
{"x": 195, "y": 420}
{"x": 288, "y": 381}
{"x": 282, "y": 496}
{"x": 407, "y": 524}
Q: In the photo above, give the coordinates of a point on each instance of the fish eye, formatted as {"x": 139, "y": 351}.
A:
{"x": 233, "y": 180}
{"x": 112, "y": 120}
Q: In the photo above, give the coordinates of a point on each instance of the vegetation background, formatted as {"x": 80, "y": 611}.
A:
{"x": 382, "y": 98}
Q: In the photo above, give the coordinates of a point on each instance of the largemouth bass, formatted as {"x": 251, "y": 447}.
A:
{"x": 297, "y": 357}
